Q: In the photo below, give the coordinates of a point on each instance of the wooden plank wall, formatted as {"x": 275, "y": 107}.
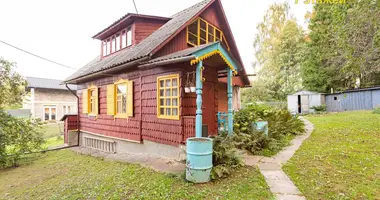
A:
{"x": 145, "y": 27}
{"x": 151, "y": 128}
{"x": 154, "y": 129}
{"x": 105, "y": 124}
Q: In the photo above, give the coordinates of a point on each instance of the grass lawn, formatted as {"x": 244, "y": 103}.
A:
{"x": 52, "y": 130}
{"x": 52, "y": 135}
{"x": 53, "y": 142}
{"x": 67, "y": 175}
{"x": 341, "y": 159}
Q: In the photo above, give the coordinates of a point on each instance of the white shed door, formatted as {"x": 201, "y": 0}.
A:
{"x": 304, "y": 103}
{"x": 293, "y": 103}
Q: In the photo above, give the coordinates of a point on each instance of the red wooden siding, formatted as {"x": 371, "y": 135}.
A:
{"x": 70, "y": 123}
{"x": 222, "y": 97}
{"x": 188, "y": 127}
{"x": 209, "y": 100}
{"x": 158, "y": 130}
{"x": 144, "y": 27}
{"x": 105, "y": 124}
{"x": 178, "y": 43}
{"x": 150, "y": 127}
{"x": 211, "y": 15}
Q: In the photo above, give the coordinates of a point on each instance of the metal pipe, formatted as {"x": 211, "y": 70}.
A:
{"x": 77, "y": 112}
{"x": 44, "y": 151}
{"x": 166, "y": 62}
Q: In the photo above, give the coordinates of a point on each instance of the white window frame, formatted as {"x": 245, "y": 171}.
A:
{"x": 66, "y": 109}
{"x": 50, "y": 113}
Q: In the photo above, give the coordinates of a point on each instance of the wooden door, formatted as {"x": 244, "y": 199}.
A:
{"x": 305, "y": 104}
{"x": 208, "y": 106}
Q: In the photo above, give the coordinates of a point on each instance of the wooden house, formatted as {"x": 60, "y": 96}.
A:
{"x": 132, "y": 96}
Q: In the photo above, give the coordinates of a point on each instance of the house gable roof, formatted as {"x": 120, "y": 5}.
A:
{"x": 154, "y": 42}
{"x": 35, "y": 82}
{"x": 145, "y": 47}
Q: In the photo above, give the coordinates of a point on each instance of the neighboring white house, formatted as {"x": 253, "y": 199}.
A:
{"x": 48, "y": 99}
{"x": 302, "y": 101}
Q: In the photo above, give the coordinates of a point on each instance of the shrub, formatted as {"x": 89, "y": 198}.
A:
{"x": 225, "y": 157}
{"x": 376, "y": 111}
{"x": 280, "y": 123}
{"x": 252, "y": 141}
{"x": 17, "y": 136}
{"x": 321, "y": 108}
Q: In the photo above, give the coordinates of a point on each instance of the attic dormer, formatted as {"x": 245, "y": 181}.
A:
{"x": 128, "y": 31}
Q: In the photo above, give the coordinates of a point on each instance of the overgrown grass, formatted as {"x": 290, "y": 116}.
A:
{"x": 53, "y": 135}
{"x": 341, "y": 159}
{"x": 67, "y": 175}
{"x": 52, "y": 130}
{"x": 53, "y": 142}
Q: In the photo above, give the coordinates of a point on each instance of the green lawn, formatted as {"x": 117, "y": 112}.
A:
{"x": 53, "y": 142}
{"x": 341, "y": 159}
{"x": 53, "y": 135}
{"x": 52, "y": 130}
{"x": 67, "y": 175}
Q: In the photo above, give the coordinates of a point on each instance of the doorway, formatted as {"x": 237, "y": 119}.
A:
{"x": 299, "y": 104}
{"x": 50, "y": 113}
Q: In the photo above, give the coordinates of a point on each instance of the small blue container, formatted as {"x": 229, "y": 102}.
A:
{"x": 262, "y": 126}
{"x": 198, "y": 159}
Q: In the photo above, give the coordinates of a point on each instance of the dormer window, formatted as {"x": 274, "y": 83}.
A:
{"x": 202, "y": 32}
{"x": 117, "y": 42}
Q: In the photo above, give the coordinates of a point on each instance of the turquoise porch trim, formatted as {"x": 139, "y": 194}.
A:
{"x": 213, "y": 49}
{"x": 230, "y": 104}
{"x": 198, "y": 86}
{"x": 232, "y": 69}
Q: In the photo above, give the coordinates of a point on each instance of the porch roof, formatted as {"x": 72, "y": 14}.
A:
{"x": 198, "y": 53}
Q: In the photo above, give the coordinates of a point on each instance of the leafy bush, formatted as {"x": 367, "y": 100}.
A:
{"x": 252, "y": 141}
{"x": 281, "y": 124}
{"x": 17, "y": 136}
{"x": 321, "y": 108}
{"x": 376, "y": 110}
{"x": 225, "y": 157}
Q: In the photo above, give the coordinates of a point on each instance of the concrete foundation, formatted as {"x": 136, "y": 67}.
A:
{"x": 134, "y": 147}
{"x": 72, "y": 138}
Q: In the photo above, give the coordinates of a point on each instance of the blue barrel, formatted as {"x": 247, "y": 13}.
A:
{"x": 262, "y": 126}
{"x": 198, "y": 159}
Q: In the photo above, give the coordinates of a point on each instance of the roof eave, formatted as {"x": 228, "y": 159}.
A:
{"x": 126, "y": 17}
{"x": 104, "y": 72}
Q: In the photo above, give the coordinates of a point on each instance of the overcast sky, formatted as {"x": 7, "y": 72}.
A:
{"x": 61, "y": 30}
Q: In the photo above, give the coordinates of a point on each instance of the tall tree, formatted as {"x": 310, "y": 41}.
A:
{"x": 17, "y": 135}
{"x": 277, "y": 45}
{"x": 12, "y": 85}
{"x": 343, "y": 46}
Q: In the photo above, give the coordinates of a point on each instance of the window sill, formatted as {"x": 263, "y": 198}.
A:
{"x": 168, "y": 117}
{"x": 121, "y": 116}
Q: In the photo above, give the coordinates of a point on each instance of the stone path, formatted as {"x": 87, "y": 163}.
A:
{"x": 279, "y": 183}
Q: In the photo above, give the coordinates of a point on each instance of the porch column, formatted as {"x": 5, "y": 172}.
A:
{"x": 198, "y": 85}
{"x": 229, "y": 96}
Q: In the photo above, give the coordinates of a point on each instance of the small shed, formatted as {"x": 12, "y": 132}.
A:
{"x": 302, "y": 101}
{"x": 356, "y": 99}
